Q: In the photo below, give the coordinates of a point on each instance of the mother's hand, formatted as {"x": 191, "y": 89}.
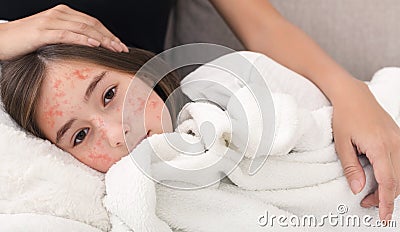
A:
{"x": 361, "y": 126}
{"x": 59, "y": 24}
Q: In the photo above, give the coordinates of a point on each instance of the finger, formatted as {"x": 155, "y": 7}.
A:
{"x": 83, "y": 29}
{"x": 77, "y": 16}
{"x": 69, "y": 14}
{"x": 67, "y": 37}
{"x": 371, "y": 200}
{"x": 351, "y": 165}
{"x": 387, "y": 183}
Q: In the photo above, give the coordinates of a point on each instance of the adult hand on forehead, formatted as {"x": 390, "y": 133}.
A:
{"x": 60, "y": 24}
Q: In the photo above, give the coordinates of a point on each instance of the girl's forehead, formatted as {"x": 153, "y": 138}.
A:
{"x": 72, "y": 68}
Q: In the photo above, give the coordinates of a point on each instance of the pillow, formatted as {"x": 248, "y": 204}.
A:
{"x": 37, "y": 177}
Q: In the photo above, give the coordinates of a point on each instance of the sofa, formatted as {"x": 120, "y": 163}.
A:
{"x": 361, "y": 35}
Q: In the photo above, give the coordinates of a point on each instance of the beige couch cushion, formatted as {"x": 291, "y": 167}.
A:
{"x": 361, "y": 35}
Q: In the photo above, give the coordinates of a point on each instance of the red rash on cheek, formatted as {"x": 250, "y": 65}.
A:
{"x": 102, "y": 138}
{"x": 131, "y": 102}
{"x": 98, "y": 159}
{"x": 102, "y": 158}
{"x": 153, "y": 104}
{"x": 142, "y": 103}
{"x": 103, "y": 134}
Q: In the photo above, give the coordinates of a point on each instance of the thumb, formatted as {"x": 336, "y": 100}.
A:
{"x": 351, "y": 165}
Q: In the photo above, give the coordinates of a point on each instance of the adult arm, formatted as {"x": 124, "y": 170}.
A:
{"x": 360, "y": 125}
{"x": 60, "y": 24}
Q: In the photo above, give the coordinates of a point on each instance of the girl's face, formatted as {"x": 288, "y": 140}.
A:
{"x": 81, "y": 106}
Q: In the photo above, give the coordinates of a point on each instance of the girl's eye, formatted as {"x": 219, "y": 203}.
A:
{"x": 109, "y": 95}
{"x": 80, "y": 136}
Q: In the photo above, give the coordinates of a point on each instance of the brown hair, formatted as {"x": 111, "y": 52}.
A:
{"x": 22, "y": 78}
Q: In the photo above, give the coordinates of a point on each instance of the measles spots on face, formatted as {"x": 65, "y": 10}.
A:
{"x": 103, "y": 133}
{"x": 140, "y": 105}
{"x": 135, "y": 105}
{"x": 57, "y": 84}
{"x": 101, "y": 158}
{"x": 60, "y": 94}
{"x": 100, "y": 140}
{"x": 72, "y": 109}
{"x": 99, "y": 122}
{"x": 153, "y": 104}
{"x": 57, "y": 87}
{"x": 131, "y": 102}
{"x": 81, "y": 73}
{"x": 51, "y": 112}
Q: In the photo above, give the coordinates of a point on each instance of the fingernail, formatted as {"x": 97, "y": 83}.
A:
{"x": 126, "y": 49}
{"x": 116, "y": 46}
{"x": 93, "y": 42}
{"x": 355, "y": 186}
{"x": 388, "y": 217}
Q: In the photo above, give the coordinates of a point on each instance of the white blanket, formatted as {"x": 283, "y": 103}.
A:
{"x": 301, "y": 176}
{"x": 40, "y": 223}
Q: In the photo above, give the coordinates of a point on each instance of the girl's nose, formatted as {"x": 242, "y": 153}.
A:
{"x": 111, "y": 130}
{"x": 116, "y": 134}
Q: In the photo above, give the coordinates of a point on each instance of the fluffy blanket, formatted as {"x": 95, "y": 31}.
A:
{"x": 291, "y": 175}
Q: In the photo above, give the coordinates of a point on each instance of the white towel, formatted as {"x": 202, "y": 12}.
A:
{"x": 301, "y": 176}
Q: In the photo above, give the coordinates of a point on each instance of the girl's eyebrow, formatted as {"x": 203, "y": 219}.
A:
{"x": 92, "y": 86}
{"x": 63, "y": 129}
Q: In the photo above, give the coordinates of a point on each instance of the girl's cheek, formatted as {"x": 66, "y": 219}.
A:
{"x": 134, "y": 108}
{"x": 98, "y": 160}
{"x": 153, "y": 104}
{"x": 155, "y": 107}
{"x": 139, "y": 105}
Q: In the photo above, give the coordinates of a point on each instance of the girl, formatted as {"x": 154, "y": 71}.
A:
{"x": 73, "y": 96}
